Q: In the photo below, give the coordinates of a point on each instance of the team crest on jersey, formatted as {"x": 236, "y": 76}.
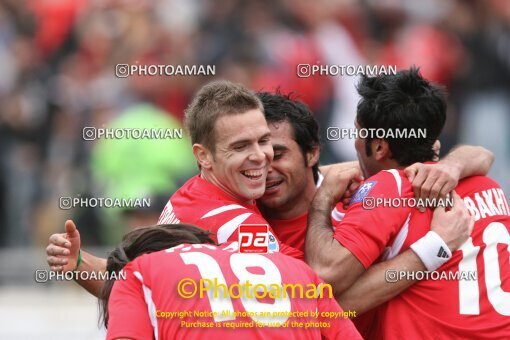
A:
{"x": 362, "y": 192}
{"x": 273, "y": 243}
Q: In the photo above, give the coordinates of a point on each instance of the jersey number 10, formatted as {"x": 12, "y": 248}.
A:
{"x": 469, "y": 293}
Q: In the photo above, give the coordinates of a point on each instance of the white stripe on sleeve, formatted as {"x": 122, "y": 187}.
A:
{"x": 222, "y": 209}
{"x": 398, "y": 179}
{"x": 226, "y": 230}
{"x": 151, "y": 307}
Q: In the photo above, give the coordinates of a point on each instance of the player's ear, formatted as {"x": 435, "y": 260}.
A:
{"x": 312, "y": 157}
{"x": 203, "y": 156}
{"x": 381, "y": 149}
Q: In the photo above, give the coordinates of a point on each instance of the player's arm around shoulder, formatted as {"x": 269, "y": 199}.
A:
{"x": 437, "y": 180}
{"x": 324, "y": 169}
{"x": 332, "y": 262}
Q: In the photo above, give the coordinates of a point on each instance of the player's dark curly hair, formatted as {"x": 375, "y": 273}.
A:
{"x": 279, "y": 107}
{"x": 405, "y": 101}
{"x": 146, "y": 240}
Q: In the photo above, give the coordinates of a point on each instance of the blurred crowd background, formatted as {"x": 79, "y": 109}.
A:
{"x": 57, "y": 67}
{"x": 57, "y": 76}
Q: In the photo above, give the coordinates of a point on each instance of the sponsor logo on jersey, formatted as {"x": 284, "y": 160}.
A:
{"x": 254, "y": 238}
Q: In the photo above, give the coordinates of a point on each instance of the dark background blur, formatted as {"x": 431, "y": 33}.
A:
{"x": 57, "y": 67}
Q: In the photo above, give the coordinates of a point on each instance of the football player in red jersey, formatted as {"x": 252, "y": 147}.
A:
{"x": 150, "y": 303}
{"x": 232, "y": 146}
{"x": 294, "y": 174}
{"x": 286, "y": 202}
{"x": 454, "y": 304}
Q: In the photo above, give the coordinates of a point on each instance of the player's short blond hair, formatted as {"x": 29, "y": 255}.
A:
{"x": 212, "y": 101}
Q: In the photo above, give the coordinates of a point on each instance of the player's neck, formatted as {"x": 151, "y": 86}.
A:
{"x": 385, "y": 165}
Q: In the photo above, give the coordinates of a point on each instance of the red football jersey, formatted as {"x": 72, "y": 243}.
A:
{"x": 473, "y": 297}
{"x": 205, "y": 205}
{"x": 472, "y": 300}
{"x": 147, "y": 305}
{"x": 292, "y": 232}
{"x": 368, "y": 234}
{"x": 378, "y": 232}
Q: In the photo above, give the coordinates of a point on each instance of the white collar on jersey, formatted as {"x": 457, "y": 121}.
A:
{"x": 319, "y": 180}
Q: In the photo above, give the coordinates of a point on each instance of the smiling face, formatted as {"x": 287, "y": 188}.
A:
{"x": 289, "y": 177}
{"x": 240, "y": 163}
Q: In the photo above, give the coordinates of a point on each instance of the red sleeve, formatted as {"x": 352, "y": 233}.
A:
{"x": 293, "y": 252}
{"x": 366, "y": 232}
{"x": 339, "y": 328}
{"x": 127, "y": 310}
